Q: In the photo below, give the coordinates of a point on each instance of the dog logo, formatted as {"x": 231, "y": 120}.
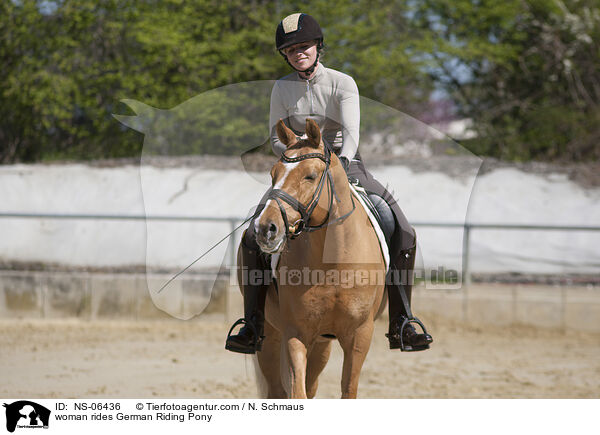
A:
{"x": 26, "y": 414}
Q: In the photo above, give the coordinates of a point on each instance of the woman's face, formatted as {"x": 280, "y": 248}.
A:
{"x": 302, "y": 55}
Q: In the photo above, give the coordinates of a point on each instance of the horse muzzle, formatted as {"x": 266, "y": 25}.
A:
{"x": 270, "y": 237}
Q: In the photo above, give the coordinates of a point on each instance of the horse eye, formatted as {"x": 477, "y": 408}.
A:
{"x": 311, "y": 177}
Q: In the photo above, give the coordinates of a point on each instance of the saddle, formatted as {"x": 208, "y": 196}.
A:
{"x": 380, "y": 210}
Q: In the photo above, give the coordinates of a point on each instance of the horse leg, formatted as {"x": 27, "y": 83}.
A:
{"x": 355, "y": 349}
{"x": 317, "y": 360}
{"x": 268, "y": 360}
{"x": 293, "y": 367}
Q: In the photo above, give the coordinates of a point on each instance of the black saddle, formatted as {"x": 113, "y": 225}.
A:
{"x": 381, "y": 210}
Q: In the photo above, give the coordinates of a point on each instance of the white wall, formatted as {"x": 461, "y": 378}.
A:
{"x": 503, "y": 195}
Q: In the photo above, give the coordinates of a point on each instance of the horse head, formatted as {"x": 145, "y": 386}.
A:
{"x": 302, "y": 191}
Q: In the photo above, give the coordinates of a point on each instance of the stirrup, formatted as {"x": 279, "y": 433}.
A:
{"x": 407, "y": 347}
{"x": 258, "y": 339}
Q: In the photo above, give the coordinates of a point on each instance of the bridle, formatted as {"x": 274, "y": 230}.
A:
{"x": 301, "y": 225}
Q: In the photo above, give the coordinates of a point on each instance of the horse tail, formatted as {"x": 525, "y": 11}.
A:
{"x": 261, "y": 382}
{"x": 383, "y": 303}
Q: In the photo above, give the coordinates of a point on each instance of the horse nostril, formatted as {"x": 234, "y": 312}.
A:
{"x": 268, "y": 230}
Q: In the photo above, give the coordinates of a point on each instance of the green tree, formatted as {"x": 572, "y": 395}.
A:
{"x": 65, "y": 70}
{"x": 67, "y": 64}
{"x": 526, "y": 71}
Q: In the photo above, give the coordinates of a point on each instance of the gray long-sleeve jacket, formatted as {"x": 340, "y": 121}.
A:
{"x": 330, "y": 98}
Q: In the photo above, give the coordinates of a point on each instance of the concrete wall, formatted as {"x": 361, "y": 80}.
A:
{"x": 563, "y": 308}
{"x": 126, "y": 296}
{"x": 99, "y": 296}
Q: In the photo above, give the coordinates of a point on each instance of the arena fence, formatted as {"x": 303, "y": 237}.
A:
{"x": 467, "y": 227}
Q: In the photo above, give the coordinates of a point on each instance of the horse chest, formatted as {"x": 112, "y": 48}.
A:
{"x": 323, "y": 306}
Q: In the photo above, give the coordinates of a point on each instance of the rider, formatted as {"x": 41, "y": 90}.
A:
{"x": 330, "y": 98}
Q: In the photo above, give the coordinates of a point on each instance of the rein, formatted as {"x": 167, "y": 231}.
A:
{"x": 301, "y": 225}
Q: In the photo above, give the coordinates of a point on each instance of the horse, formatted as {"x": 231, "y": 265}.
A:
{"x": 329, "y": 275}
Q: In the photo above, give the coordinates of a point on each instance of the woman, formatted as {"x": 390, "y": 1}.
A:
{"x": 331, "y": 98}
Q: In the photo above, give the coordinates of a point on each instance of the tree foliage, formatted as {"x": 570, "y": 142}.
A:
{"x": 526, "y": 71}
{"x": 67, "y": 66}
{"x": 65, "y": 71}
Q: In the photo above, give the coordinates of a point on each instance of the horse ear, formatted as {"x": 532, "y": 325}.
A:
{"x": 313, "y": 132}
{"x": 286, "y": 136}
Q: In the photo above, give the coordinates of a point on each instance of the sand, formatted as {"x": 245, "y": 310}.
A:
{"x": 186, "y": 359}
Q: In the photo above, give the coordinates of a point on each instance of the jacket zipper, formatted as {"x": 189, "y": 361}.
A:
{"x": 312, "y": 109}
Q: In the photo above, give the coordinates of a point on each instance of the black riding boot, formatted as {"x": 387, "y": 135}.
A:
{"x": 402, "y": 335}
{"x": 249, "y": 339}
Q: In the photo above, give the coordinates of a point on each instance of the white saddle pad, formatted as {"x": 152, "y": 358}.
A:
{"x": 382, "y": 243}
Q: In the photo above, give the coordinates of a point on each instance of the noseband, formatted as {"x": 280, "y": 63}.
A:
{"x": 301, "y": 225}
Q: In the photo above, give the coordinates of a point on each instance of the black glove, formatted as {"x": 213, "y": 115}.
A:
{"x": 345, "y": 163}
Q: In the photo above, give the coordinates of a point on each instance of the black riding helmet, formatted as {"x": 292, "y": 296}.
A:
{"x": 297, "y": 28}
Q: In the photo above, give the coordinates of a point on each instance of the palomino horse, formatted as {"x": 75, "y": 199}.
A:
{"x": 330, "y": 262}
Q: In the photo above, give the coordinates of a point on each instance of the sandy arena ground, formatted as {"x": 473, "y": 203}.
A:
{"x": 81, "y": 359}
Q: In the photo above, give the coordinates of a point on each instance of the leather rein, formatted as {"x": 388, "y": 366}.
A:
{"x": 301, "y": 225}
